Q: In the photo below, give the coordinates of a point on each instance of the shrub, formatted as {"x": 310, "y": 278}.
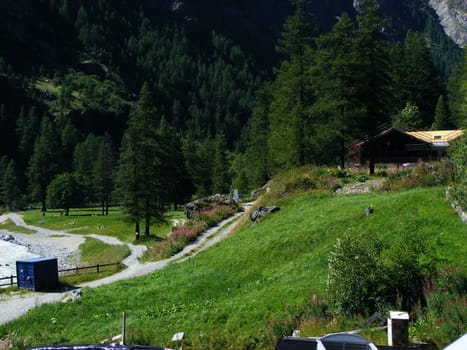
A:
{"x": 182, "y": 235}
{"x": 422, "y": 175}
{"x": 445, "y": 319}
{"x": 458, "y": 154}
{"x": 353, "y": 280}
{"x": 365, "y": 277}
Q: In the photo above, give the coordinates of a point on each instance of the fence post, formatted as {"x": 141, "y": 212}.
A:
{"x": 11, "y": 280}
{"x": 97, "y": 268}
{"x": 76, "y": 269}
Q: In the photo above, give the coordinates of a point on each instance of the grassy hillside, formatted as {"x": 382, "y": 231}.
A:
{"x": 251, "y": 288}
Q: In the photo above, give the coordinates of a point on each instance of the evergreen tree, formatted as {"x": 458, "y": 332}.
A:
{"x": 457, "y": 93}
{"x": 291, "y": 90}
{"x": 373, "y": 73}
{"x": 419, "y": 83}
{"x": 103, "y": 170}
{"x": 45, "y": 162}
{"x": 176, "y": 183}
{"x": 70, "y": 137}
{"x": 138, "y": 178}
{"x": 257, "y": 153}
{"x": 27, "y": 128}
{"x": 442, "y": 116}
{"x": 199, "y": 163}
{"x": 10, "y": 192}
{"x": 220, "y": 172}
{"x": 84, "y": 159}
{"x": 336, "y": 102}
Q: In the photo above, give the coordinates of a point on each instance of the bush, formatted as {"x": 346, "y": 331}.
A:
{"x": 422, "y": 175}
{"x": 182, "y": 235}
{"x": 445, "y": 319}
{"x": 353, "y": 280}
{"x": 458, "y": 154}
{"x": 365, "y": 277}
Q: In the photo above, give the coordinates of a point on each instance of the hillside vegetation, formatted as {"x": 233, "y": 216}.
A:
{"x": 267, "y": 279}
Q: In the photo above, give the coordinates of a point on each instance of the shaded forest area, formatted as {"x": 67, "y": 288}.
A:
{"x": 147, "y": 104}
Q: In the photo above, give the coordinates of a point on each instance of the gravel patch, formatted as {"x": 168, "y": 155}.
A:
{"x": 65, "y": 258}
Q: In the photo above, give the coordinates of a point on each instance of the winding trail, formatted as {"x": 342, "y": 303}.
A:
{"x": 15, "y": 306}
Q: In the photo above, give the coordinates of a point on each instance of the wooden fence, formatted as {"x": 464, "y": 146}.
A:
{"x": 65, "y": 272}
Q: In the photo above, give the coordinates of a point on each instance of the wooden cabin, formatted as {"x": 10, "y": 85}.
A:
{"x": 395, "y": 146}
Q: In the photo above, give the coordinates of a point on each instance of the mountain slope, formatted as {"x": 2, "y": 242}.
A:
{"x": 253, "y": 287}
{"x": 453, "y": 16}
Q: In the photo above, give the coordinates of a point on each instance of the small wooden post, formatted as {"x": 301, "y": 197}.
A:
{"x": 123, "y": 327}
{"x": 398, "y": 329}
{"x": 97, "y": 268}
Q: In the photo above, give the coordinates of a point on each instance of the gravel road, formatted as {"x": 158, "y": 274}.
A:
{"x": 67, "y": 244}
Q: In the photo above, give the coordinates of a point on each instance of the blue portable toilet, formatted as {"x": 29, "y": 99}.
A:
{"x": 37, "y": 274}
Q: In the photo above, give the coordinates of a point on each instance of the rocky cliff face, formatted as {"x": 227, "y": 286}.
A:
{"x": 453, "y": 18}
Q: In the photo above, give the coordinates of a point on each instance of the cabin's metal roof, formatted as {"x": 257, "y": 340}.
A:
{"x": 440, "y": 137}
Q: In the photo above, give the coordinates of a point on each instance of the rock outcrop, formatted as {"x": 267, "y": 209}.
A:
{"x": 453, "y": 18}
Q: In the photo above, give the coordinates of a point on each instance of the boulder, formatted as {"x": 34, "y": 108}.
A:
{"x": 256, "y": 214}
{"x": 208, "y": 203}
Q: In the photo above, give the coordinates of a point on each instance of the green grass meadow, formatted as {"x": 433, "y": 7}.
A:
{"x": 89, "y": 220}
{"x": 241, "y": 293}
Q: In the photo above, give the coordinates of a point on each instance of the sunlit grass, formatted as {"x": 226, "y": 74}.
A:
{"x": 90, "y": 221}
{"x": 93, "y": 252}
{"x": 9, "y": 225}
{"x": 249, "y": 289}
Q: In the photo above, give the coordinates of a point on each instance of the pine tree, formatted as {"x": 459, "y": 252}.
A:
{"x": 45, "y": 162}
{"x": 457, "y": 93}
{"x": 220, "y": 172}
{"x": 442, "y": 116}
{"x": 138, "y": 176}
{"x": 103, "y": 170}
{"x": 176, "y": 183}
{"x": 291, "y": 91}
{"x": 419, "y": 84}
{"x": 70, "y": 136}
{"x": 336, "y": 105}
{"x": 84, "y": 159}
{"x": 27, "y": 128}
{"x": 199, "y": 163}
{"x": 257, "y": 152}
{"x": 373, "y": 73}
{"x": 9, "y": 187}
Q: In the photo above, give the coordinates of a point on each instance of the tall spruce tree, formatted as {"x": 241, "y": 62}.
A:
{"x": 199, "y": 162}
{"x": 373, "y": 73}
{"x": 10, "y": 191}
{"x": 257, "y": 152}
{"x": 419, "y": 83}
{"x": 457, "y": 93}
{"x": 138, "y": 180}
{"x": 291, "y": 91}
{"x": 27, "y": 128}
{"x": 220, "y": 172}
{"x": 45, "y": 162}
{"x": 442, "y": 117}
{"x": 176, "y": 183}
{"x": 103, "y": 172}
{"x": 336, "y": 105}
{"x": 84, "y": 159}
